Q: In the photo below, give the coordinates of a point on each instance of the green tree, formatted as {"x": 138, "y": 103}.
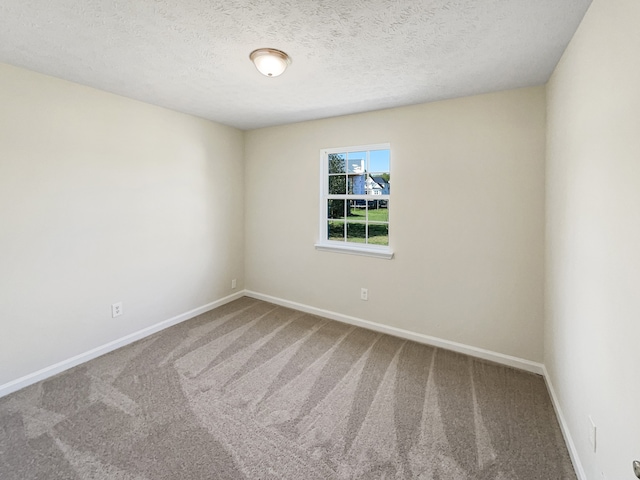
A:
{"x": 337, "y": 163}
{"x": 337, "y": 184}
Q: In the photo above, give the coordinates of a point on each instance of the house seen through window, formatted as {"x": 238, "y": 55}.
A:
{"x": 356, "y": 184}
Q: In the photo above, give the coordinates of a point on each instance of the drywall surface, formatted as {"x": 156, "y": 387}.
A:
{"x": 103, "y": 200}
{"x": 593, "y": 244}
{"x": 467, "y": 220}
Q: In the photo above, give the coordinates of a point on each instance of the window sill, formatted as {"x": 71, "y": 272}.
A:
{"x": 377, "y": 252}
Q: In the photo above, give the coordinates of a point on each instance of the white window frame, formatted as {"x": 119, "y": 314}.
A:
{"x": 324, "y": 244}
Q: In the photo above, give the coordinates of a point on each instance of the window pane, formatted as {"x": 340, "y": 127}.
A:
{"x": 337, "y": 162}
{"x": 335, "y": 230}
{"x": 356, "y": 232}
{"x": 357, "y": 162}
{"x": 335, "y": 208}
{"x": 337, "y": 185}
{"x": 379, "y": 233}
{"x": 378, "y": 211}
{"x": 357, "y": 184}
{"x": 357, "y": 210}
{"x": 379, "y": 161}
{"x": 378, "y": 184}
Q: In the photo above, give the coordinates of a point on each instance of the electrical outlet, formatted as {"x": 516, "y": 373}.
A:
{"x": 116, "y": 309}
{"x": 364, "y": 294}
{"x": 233, "y": 283}
{"x": 592, "y": 434}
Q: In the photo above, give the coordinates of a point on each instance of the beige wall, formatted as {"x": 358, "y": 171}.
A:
{"x": 593, "y": 262}
{"x": 467, "y": 215}
{"x": 105, "y": 199}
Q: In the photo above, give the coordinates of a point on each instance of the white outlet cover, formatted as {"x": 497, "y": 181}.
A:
{"x": 592, "y": 434}
{"x": 116, "y": 309}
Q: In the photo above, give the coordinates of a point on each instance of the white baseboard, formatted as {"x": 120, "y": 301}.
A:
{"x": 496, "y": 357}
{"x": 59, "y": 367}
{"x": 564, "y": 427}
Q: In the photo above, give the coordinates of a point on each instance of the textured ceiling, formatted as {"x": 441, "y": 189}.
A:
{"x": 348, "y": 55}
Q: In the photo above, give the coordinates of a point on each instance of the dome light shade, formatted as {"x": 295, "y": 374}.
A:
{"x": 270, "y": 62}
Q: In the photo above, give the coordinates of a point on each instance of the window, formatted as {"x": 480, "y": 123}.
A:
{"x": 354, "y": 200}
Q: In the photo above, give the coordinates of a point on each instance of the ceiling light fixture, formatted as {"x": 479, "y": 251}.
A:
{"x": 269, "y": 61}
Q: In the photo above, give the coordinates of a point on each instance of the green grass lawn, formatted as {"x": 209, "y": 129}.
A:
{"x": 356, "y": 232}
{"x": 379, "y": 215}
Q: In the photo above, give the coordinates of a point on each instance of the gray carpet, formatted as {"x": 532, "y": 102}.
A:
{"x": 255, "y": 391}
